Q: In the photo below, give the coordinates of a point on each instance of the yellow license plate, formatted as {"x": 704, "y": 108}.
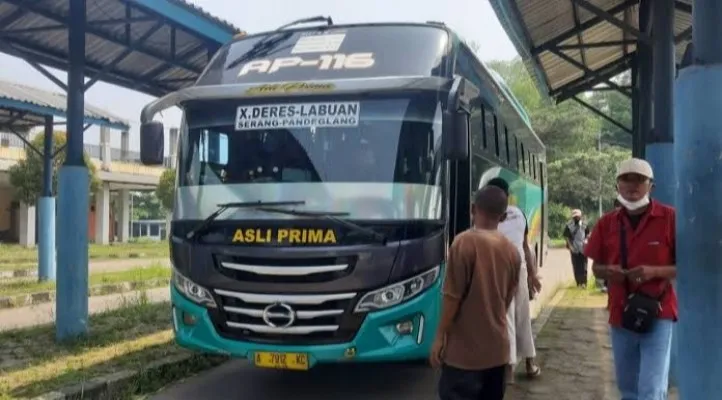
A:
{"x": 295, "y": 361}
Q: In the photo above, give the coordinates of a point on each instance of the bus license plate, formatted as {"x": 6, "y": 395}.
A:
{"x": 294, "y": 361}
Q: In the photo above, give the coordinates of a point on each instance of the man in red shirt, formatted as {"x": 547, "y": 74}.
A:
{"x": 633, "y": 248}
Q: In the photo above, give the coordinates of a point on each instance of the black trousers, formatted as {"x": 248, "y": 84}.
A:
{"x": 579, "y": 263}
{"x": 459, "y": 384}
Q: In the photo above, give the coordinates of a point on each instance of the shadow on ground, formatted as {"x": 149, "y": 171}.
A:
{"x": 239, "y": 380}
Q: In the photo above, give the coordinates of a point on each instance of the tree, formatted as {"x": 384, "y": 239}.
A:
{"x": 146, "y": 205}
{"x": 27, "y": 174}
{"x": 574, "y": 180}
{"x": 165, "y": 191}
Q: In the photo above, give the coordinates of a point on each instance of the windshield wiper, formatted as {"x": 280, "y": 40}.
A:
{"x": 271, "y": 40}
{"x": 246, "y": 204}
{"x": 331, "y": 216}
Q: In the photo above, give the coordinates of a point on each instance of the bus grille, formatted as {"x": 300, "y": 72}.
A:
{"x": 287, "y": 319}
{"x": 296, "y": 270}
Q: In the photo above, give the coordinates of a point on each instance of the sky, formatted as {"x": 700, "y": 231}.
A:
{"x": 471, "y": 19}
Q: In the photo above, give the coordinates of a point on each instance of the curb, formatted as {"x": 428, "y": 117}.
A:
{"x": 33, "y": 272}
{"x": 24, "y": 300}
{"x": 152, "y": 376}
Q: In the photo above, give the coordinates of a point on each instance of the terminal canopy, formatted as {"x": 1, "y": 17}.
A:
{"x": 570, "y": 46}
{"x": 152, "y": 46}
{"x": 24, "y": 107}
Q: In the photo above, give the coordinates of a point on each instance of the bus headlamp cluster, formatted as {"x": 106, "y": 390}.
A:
{"x": 397, "y": 293}
{"x": 193, "y": 291}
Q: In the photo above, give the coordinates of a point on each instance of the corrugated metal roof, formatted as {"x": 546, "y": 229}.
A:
{"x": 542, "y": 29}
{"x": 205, "y": 14}
{"x": 24, "y": 107}
{"x": 134, "y": 46}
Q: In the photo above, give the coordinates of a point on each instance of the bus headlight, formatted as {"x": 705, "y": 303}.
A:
{"x": 398, "y": 292}
{"x": 192, "y": 290}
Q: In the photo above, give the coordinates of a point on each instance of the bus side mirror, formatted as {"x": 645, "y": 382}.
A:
{"x": 455, "y": 124}
{"x": 151, "y": 143}
{"x": 455, "y": 135}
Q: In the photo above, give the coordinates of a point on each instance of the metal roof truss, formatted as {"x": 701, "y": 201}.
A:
{"x": 126, "y": 45}
{"x": 633, "y": 38}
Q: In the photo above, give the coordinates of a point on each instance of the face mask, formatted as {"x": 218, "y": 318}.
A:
{"x": 633, "y": 205}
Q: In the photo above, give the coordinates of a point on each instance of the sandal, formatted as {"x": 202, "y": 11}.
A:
{"x": 534, "y": 372}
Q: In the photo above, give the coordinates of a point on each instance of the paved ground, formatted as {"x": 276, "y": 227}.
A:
{"x": 45, "y": 313}
{"x": 348, "y": 382}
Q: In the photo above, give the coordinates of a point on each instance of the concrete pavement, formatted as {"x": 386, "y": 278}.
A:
{"x": 239, "y": 380}
{"x": 24, "y": 317}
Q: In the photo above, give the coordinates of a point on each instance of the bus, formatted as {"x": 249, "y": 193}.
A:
{"x": 322, "y": 172}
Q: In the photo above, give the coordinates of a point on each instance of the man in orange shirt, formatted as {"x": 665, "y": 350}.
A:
{"x": 482, "y": 273}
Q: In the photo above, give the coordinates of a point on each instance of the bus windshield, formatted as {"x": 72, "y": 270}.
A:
{"x": 373, "y": 158}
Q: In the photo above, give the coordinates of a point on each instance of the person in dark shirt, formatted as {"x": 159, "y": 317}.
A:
{"x": 575, "y": 233}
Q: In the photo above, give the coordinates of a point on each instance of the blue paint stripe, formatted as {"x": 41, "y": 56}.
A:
{"x": 43, "y": 110}
{"x": 189, "y": 19}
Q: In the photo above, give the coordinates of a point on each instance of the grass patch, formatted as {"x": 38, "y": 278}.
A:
{"x": 557, "y": 243}
{"x": 138, "y": 274}
{"x": 129, "y": 338}
{"x": 13, "y": 255}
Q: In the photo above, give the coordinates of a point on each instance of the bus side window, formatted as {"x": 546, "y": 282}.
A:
{"x": 529, "y": 167}
{"x": 533, "y": 164}
{"x": 505, "y": 144}
{"x": 489, "y": 135}
{"x": 523, "y": 158}
{"x": 497, "y": 139}
{"x": 512, "y": 149}
{"x": 476, "y": 131}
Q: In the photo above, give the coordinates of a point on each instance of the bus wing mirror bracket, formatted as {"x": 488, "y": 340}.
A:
{"x": 152, "y": 143}
{"x": 455, "y": 123}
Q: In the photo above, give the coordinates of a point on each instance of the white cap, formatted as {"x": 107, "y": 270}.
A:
{"x": 635, "y": 166}
{"x": 576, "y": 213}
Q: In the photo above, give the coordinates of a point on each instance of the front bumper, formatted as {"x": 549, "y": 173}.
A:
{"x": 377, "y": 339}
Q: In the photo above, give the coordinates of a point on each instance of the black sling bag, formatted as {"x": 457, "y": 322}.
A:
{"x": 640, "y": 311}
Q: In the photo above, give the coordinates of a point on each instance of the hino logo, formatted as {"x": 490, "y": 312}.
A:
{"x": 279, "y": 315}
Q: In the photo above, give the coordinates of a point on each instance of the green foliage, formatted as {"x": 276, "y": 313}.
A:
{"x": 146, "y": 205}
{"x": 558, "y": 217}
{"x": 165, "y": 190}
{"x": 575, "y": 179}
{"x": 27, "y": 174}
{"x": 519, "y": 82}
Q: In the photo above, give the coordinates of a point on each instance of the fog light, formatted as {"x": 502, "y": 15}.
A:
{"x": 189, "y": 319}
{"x": 350, "y": 352}
{"x": 405, "y": 328}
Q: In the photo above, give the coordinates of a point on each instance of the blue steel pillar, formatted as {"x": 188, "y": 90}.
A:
{"x": 644, "y": 67}
{"x": 698, "y": 165}
{"x": 73, "y": 202}
{"x": 660, "y": 142}
{"x": 659, "y": 151}
{"x": 46, "y": 210}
